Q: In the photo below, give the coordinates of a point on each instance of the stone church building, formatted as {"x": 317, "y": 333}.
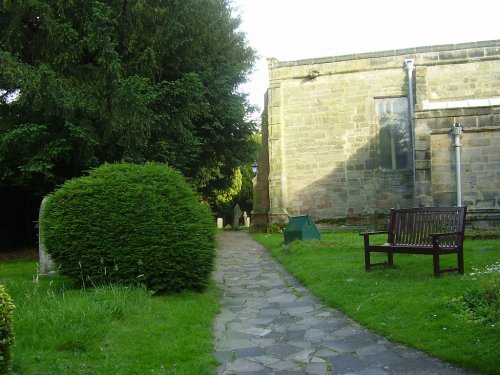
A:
{"x": 347, "y": 136}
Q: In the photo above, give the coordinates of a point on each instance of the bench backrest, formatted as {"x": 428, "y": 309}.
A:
{"x": 413, "y": 226}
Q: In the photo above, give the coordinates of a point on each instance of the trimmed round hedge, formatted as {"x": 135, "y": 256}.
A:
{"x": 130, "y": 223}
{"x": 6, "y": 332}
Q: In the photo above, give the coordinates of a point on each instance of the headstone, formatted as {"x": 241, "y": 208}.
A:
{"x": 236, "y": 216}
{"x": 220, "y": 223}
{"x": 46, "y": 264}
{"x": 247, "y": 222}
{"x": 245, "y": 218}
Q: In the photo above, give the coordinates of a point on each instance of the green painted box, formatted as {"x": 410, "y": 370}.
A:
{"x": 301, "y": 227}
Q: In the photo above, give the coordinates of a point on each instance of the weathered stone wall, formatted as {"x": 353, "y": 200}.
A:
{"x": 459, "y": 86}
{"x": 323, "y": 146}
{"x": 324, "y": 134}
{"x": 480, "y": 167}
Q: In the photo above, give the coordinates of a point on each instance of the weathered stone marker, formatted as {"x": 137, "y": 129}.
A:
{"x": 246, "y": 219}
{"x": 236, "y": 216}
{"x": 220, "y": 223}
{"x": 46, "y": 264}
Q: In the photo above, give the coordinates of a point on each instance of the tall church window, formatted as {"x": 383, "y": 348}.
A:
{"x": 394, "y": 133}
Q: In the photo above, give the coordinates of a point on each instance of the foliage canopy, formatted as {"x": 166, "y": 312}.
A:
{"x": 123, "y": 80}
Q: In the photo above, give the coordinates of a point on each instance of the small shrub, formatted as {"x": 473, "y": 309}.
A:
{"x": 6, "y": 333}
{"x": 480, "y": 305}
{"x": 131, "y": 223}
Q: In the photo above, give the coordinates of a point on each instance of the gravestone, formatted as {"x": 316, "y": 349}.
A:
{"x": 236, "y": 216}
{"x": 246, "y": 219}
{"x": 46, "y": 264}
{"x": 220, "y": 223}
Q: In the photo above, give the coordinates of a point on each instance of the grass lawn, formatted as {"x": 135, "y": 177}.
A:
{"x": 107, "y": 330}
{"x": 453, "y": 317}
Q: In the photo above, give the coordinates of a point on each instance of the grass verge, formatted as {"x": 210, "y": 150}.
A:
{"x": 107, "y": 330}
{"x": 453, "y": 317}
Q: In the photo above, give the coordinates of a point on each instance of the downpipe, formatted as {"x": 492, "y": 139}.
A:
{"x": 456, "y": 131}
{"x": 410, "y": 66}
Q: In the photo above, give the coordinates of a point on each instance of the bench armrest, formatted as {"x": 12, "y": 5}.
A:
{"x": 370, "y": 233}
{"x": 366, "y": 237}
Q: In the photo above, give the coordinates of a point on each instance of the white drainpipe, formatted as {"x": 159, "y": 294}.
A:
{"x": 410, "y": 66}
{"x": 456, "y": 130}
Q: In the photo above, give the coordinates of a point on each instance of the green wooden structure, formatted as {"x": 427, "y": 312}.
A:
{"x": 301, "y": 227}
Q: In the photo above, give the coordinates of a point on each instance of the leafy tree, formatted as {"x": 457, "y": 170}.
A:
{"x": 227, "y": 195}
{"x": 91, "y": 81}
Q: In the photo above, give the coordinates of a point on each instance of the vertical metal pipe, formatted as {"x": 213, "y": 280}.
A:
{"x": 456, "y": 130}
{"x": 410, "y": 66}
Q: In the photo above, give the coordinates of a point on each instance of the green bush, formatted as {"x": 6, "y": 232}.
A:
{"x": 130, "y": 223}
{"x": 6, "y": 333}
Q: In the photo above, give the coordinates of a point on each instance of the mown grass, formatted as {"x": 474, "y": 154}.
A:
{"x": 107, "y": 330}
{"x": 453, "y": 317}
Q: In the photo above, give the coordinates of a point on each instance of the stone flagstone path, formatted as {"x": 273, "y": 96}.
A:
{"x": 270, "y": 324}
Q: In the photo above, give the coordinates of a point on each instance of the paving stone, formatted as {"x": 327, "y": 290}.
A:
{"x": 285, "y": 320}
{"x": 346, "y": 331}
{"x": 259, "y": 372}
{"x": 284, "y": 365}
{"x": 255, "y": 331}
{"x": 281, "y": 298}
{"x": 369, "y": 371}
{"x": 295, "y": 303}
{"x": 224, "y": 356}
{"x": 263, "y": 342}
{"x": 337, "y": 346}
{"x": 303, "y": 356}
{"x": 269, "y": 312}
{"x": 301, "y": 344}
{"x": 317, "y": 368}
{"x": 244, "y": 365}
{"x": 383, "y": 358}
{"x": 282, "y": 350}
{"x": 260, "y": 321}
{"x": 290, "y": 372}
{"x": 317, "y": 360}
{"x": 314, "y": 335}
{"x": 324, "y": 353}
{"x": 371, "y": 349}
{"x": 235, "y": 309}
{"x": 347, "y": 362}
{"x": 302, "y": 310}
{"x": 235, "y": 301}
{"x": 295, "y": 335}
{"x": 357, "y": 341}
{"x": 230, "y": 344}
{"x": 249, "y": 352}
{"x": 266, "y": 360}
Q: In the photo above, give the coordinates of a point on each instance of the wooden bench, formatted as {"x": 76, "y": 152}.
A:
{"x": 425, "y": 230}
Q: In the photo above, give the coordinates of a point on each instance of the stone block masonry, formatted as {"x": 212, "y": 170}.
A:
{"x": 337, "y": 138}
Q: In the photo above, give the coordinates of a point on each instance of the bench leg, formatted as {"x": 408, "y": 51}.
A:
{"x": 390, "y": 262}
{"x": 367, "y": 260}
{"x": 435, "y": 259}
{"x": 460, "y": 256}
